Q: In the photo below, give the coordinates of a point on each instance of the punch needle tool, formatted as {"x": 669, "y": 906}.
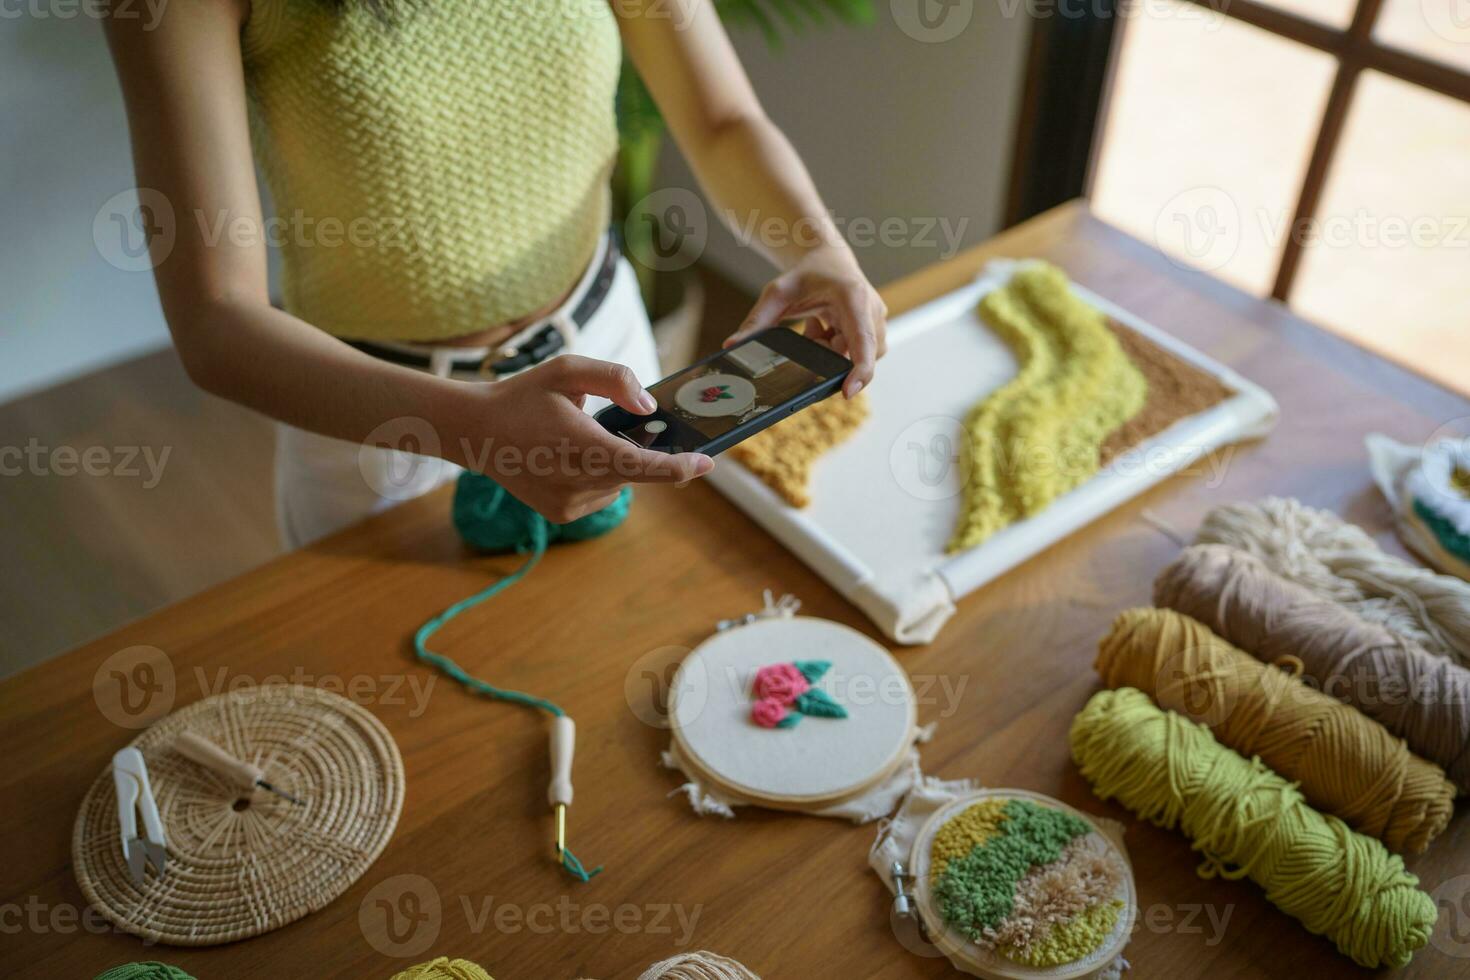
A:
{"x": 135, "y": 796}
{"x": 243, "y": 775}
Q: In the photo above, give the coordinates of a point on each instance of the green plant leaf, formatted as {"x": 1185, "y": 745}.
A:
{"x": 819, "y": 704}
{"x": 813, "y": 670}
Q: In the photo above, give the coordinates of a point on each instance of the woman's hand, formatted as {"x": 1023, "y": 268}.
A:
{"x": 530, "y": 435}
{"x": 841, "y": 309}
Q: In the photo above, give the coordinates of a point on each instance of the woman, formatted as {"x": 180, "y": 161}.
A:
{"x": 439, "y": 170}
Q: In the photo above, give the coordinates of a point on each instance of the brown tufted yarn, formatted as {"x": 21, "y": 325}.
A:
{"x": 1346, "y": 764}
{"x": 1423, "y": 698}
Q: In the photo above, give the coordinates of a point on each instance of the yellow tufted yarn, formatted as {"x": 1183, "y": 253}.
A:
{"x": 443, "y": 968}
{"x": 439, "y": 175}
{"x": 1039, "y": 435}
{"x": 1249, "y": 822}
{"x": 968, "y": 829}
{"x": 1346, "y": 763}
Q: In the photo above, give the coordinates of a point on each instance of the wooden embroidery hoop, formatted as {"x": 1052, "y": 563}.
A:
{"x": 979, "y": 962}
{"x": 717, "y": 743}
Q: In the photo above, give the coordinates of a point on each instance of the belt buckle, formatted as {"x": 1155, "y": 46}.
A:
{"x": 530, "y": 347}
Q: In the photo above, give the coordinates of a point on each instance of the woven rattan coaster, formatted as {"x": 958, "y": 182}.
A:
{"x": 240, "y": 867}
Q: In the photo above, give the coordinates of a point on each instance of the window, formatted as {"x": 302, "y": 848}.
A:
{"x": 1316, "y": 152}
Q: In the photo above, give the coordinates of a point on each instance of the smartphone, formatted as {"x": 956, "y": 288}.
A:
{"x": 733, "y": 394}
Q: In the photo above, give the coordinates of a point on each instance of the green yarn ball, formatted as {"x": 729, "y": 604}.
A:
{"x": 490, "y": 519}
{"x": 150, "y": 970}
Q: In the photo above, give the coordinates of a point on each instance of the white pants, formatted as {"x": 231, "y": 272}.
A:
{"x": 325, "y": 484}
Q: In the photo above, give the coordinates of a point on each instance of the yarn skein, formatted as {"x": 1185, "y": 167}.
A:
{"x": 147, "y": 970}
{"x": 1423, "y": 698}
{"x": 1345, "y": 763}
{"x": 698, "y": 966}
{"x": 489, "y": 518}
{"x": 1319, "y": 551}
{"x": 443, "y": 968}
{"x": 1249, "y": 822}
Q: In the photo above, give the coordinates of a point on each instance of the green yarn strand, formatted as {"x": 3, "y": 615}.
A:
{"x": 490, "y": 519}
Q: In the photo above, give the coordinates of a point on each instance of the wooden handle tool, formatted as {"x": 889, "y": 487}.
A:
{"x": 245, "y": 776}
{"x": 559, "y": 793}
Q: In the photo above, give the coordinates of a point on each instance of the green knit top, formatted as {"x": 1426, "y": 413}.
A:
{"x": 438, "y": 176}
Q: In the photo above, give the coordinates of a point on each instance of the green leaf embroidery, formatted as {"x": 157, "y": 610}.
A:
{"x": 813, "y": 670}
{"x": 819, "y": 704}
{"x": 789, "y": 721}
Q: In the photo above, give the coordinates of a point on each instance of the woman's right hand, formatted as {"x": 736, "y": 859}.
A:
{"x": 530, "y": 434}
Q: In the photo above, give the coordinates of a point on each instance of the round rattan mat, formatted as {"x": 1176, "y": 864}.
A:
{"x": 241, "y": 864}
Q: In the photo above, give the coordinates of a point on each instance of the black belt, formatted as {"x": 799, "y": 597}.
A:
{"x": 535, "y": 348}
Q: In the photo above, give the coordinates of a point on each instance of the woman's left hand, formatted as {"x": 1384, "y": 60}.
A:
{"x": 840, "y": 306}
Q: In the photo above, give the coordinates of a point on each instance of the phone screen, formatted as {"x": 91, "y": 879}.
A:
{"x": 736, "y": 386}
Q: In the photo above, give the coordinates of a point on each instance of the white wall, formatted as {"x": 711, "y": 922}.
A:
{"x": 891, "y": 126}
{"x": 64, "y": 309}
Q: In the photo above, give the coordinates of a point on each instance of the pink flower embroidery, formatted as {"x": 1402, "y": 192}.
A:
{"x": 768, "y": 712}
{"x": 784, "y": 692}
{"x": 783, "y": 683}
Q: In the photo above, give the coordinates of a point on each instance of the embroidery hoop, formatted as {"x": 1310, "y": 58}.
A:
{"x": 717, "y": 743}
{"x": 979, "y": 962}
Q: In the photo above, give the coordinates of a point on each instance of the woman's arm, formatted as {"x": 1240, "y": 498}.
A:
{"x": 753, "y": 175}
{"x": 184, "y": 87}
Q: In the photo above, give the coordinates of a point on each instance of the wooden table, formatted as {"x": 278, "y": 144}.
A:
{"x": 599, "y": 623}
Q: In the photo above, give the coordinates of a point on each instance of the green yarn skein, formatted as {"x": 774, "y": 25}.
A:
{"x": 489, "y": 518}
{"x": 149, "y": 970}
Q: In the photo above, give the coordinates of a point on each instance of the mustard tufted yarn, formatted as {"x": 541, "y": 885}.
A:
{"x": 436, "y": 176}
{"x": 444, "y": 968}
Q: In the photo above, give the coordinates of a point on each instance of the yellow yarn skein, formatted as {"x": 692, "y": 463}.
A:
{"x": 1346, "y": 763}
{"x": 443, "y": 968}
{"x": 1249, "y": 822}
